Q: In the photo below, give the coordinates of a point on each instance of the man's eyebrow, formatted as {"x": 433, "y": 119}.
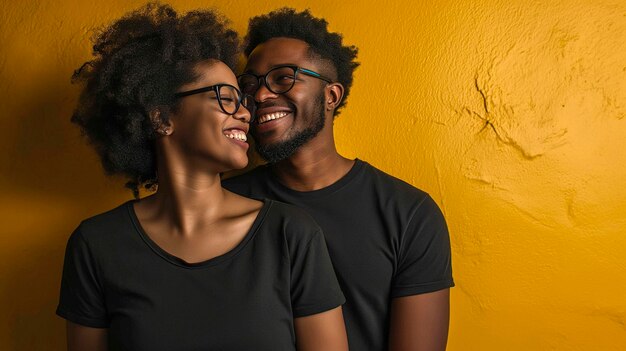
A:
{"x": 271, "y": 68}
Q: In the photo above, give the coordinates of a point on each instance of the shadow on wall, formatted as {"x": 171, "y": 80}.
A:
{"x": 47, "y": 154}
{"x": 31, "y": 297}
{"x": 51, "y": 180}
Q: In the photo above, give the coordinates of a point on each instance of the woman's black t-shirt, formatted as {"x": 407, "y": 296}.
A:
{"x": 116, "y": 277}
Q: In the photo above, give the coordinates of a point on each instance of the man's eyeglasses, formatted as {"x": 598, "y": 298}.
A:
{"x": 228, "y": 97}
{"x": 278, "y": 80}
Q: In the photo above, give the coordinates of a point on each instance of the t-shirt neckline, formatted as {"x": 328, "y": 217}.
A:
{"x": 343, "y": 181}
{"x": 210, "y": 262}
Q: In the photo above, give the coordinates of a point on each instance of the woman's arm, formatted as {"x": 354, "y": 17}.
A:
{"x": 324, "y": 331}
{"x": 81, "y": 338}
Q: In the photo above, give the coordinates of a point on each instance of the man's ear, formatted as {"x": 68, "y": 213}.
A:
{"x": 160, "y": 126}
{"x": 334, "y": 94}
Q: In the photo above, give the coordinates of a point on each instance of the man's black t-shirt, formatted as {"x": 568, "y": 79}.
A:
{"x": 386, "y": 239}
{"x": 116, "y": 277}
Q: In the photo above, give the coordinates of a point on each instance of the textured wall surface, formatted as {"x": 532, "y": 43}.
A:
{"x": 511, "y": 114}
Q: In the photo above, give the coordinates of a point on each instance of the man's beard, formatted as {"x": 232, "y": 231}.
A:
{"x": 276, "y": 152}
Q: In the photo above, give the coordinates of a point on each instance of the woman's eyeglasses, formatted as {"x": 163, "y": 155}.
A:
{"x": 228, "y": 97}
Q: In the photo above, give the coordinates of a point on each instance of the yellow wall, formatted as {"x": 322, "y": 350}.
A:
{"x": 510, "y": 113}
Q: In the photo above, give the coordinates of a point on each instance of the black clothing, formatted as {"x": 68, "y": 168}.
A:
{"x": 385, "y": 237}
{"x": 116, "y": 277}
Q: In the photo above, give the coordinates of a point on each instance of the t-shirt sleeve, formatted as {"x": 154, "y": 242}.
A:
{"x": 424, "y": 261}
{"x": 81, "y": 300}
{"x": 314, "y": 286}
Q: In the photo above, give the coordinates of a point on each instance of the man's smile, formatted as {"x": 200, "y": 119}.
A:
{"x": 270, "y": 117}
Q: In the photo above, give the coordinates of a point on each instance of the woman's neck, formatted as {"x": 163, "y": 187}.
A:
{"x": 186, "y": 199}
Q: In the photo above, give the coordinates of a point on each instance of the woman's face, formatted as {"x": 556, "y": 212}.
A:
{"x": 205, "y": 135}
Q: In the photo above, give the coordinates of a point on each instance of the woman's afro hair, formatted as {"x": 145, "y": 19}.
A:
{"x": 139, "y": 62}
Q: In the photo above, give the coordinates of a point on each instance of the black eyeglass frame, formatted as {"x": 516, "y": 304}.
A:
{"x": 296, "y": 70}
{"x": 216, "y": 88}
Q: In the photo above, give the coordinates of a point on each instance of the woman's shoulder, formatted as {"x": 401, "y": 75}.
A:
{"x": 294, "y": 223}
{"x": 101, "y": 225}
{"x": 285, "y": 209}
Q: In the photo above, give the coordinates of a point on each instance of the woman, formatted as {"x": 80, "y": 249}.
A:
{"x": 191, "y": 267}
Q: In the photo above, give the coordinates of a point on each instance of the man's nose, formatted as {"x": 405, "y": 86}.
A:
{"x": 263, "y": 93}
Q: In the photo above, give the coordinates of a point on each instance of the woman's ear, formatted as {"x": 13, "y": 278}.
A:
{"x": 334, "y": 94}
{"x": 160, "y": 126}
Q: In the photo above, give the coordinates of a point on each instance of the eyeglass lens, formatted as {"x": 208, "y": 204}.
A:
{"x": 229, "y": 99}
{"x": 278, "y": 80}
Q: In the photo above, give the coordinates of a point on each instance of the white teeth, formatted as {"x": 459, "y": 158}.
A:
{"x": 236, "y": 134}
{"x": 272, "y": 116}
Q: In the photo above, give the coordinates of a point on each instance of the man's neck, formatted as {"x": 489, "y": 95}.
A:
{"x": 312, "y": 167}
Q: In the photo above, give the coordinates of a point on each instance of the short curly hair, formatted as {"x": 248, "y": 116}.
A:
{"x": 140, "y": 61}
{"x": 286, "y": 22}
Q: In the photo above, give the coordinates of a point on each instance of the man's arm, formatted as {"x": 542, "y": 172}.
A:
{"x": 324, "y": 331}
{"x": 81, "y": 338}
{"x": 420, "y": 322}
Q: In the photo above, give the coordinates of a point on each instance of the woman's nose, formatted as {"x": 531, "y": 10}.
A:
{"x": 243, "y": 114}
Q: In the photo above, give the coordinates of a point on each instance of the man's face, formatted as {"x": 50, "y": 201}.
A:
{"x": 285, "y": 122}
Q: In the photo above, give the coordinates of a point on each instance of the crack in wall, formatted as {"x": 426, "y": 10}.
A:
{"x": 479, "y": 180}
{"x": 530, "y": 216}
{"x": 488, "y": 123}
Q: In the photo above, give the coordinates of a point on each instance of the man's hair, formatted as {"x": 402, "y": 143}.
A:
{"x": 140, "y": 61}
{"x": 286, "y": 22}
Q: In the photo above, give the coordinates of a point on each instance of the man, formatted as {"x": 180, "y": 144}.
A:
{"x": 388, "y": 240}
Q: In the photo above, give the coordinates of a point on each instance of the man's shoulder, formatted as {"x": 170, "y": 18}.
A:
{"x": 245, "y": 183}
{"x": 254, "y": 173}
{"x": 400, "y": 197}
{"x": 392, "y": 186}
